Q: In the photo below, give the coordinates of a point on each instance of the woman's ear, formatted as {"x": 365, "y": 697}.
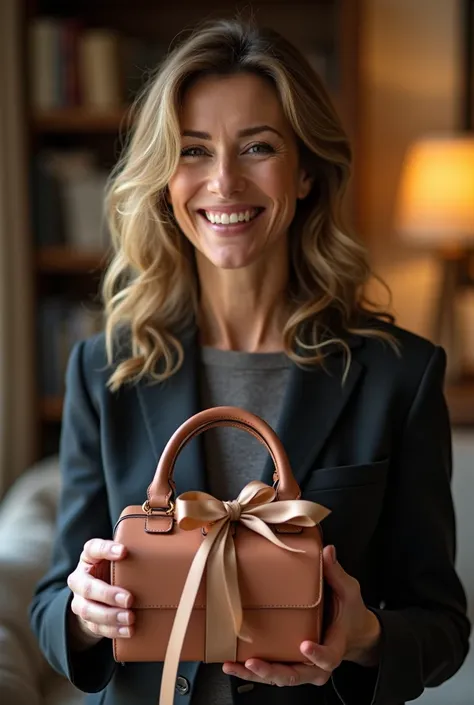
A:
{"x": 305, "y": 183}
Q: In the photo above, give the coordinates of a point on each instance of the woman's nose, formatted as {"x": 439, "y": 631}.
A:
{"x": 226, "y": 178}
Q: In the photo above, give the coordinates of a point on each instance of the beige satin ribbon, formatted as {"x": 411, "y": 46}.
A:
{"x": 255, "y": 508}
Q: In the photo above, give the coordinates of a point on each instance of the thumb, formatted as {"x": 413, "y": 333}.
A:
{"x": 334, "y": 573}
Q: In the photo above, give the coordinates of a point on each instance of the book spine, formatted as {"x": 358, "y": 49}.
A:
{"x": 43, "y": 56}
{"x": 99, "y": 70}
{"x": 70, "y": 71}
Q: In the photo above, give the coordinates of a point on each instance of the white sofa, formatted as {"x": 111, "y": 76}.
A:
{"x": 26, "y": 531}
{"x": 27, "y": 516}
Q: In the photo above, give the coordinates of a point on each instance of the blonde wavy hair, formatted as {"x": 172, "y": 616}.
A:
{"x": 151, "y": 289}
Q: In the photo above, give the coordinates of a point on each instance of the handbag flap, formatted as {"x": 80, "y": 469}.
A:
{"x": 157, "y": 564}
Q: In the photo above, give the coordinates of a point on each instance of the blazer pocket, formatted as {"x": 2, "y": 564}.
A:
{"x": 347, "y": 476}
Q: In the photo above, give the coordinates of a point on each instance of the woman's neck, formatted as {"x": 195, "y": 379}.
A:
{"x": 242, "y": 309}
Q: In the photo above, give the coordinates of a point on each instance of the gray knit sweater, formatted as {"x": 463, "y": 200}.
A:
{"x": 255, "y": 382}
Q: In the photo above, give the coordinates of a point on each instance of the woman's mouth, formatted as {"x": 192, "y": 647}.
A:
{"x": 231, "y": 222}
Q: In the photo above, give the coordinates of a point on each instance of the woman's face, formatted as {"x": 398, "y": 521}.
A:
{"x": 234, "y": 192}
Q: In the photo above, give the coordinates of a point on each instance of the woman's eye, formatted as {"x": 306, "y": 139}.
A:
{"x": 260, "y": 148}
{"x": 192, "y": 152}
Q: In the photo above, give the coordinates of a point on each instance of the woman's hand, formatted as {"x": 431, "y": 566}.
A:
{"x": 352, "y": 635}
{"x": 98, "y": 609}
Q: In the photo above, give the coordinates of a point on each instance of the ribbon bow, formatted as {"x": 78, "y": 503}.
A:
{"x": 255, "y": 508}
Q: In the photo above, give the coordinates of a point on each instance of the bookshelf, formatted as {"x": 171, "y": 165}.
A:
{"x": 60, "y": 259}
{"x": 71, "y": 110}
{"x": 78, "y": 120}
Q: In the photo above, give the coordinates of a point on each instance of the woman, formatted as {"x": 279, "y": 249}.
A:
{"x": 234, "y": 281}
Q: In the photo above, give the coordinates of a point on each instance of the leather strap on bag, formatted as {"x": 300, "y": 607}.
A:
{"x": 161, "y": 488}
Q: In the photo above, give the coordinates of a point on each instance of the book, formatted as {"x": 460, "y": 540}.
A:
{"x": 47, "y": 219}
{"x": 99, "y": 75}
{"x": 44, "y": 56}
{"x": 85, "y": 224}
{"x": 68, "y": 190}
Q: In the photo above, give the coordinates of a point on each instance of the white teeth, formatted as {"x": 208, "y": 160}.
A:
{"x": 231, "y": 218}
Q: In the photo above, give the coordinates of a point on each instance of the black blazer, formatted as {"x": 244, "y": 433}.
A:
{"x": 376, "y": 451}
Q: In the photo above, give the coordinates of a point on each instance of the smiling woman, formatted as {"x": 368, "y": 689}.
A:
{"x": 231, "y": 129}
{"x": 236, "y": 281}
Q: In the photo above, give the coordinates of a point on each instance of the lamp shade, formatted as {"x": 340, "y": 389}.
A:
{"x": 435, "y": 204}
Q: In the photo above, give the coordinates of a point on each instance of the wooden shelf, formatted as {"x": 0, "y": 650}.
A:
{"x": 51, "y": 409}
{"x": 59, "y": 259}
{"x": 460, "y": 399}
{"x": 74, "y": 120}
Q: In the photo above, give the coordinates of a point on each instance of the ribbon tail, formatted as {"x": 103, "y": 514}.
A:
{"x": 183, "y": 614}
{"x": 220, "y": 632}
{"x": 300, "y": 512}
{"x": 232, "y": 590}
{"x": 253, "y": 523}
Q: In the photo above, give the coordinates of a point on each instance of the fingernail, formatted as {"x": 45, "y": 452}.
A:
{"x": 116, "y": 550}
{"x": 333, "y": 554}
{"x": 123, "y": 617}
{"x": 124, "y": 631}
{"x": 121, "y": 599}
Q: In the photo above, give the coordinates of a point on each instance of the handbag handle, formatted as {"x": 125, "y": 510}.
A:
{"x": 161, "y": 489}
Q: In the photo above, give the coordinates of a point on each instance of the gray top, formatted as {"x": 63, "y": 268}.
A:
{"x": 255, "y": 382}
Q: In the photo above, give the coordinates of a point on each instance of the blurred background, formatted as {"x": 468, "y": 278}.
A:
{"x": 401, "y": 74}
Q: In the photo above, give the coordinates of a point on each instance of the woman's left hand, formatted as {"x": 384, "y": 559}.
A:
{"x": 352, "y": 635}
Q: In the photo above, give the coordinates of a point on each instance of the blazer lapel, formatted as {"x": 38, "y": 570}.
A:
{"x": 313, "y": 402}
{"x": 165, "y": 406}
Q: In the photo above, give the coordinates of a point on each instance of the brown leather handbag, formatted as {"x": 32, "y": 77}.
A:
{"x": 221, "y": 581}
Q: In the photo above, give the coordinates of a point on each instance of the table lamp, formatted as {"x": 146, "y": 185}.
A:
{"x": 435, "y": 210}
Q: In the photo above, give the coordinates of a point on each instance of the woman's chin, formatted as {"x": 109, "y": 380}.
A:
{"x": 230, "y": 260}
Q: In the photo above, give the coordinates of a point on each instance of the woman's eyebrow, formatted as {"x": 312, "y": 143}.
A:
{"x": 247, "y": 132}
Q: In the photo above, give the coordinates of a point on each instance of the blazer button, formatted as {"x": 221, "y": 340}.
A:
{"x": 182, "y": 685}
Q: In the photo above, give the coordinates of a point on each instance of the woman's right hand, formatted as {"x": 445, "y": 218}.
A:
{"x": 98, "y": 608}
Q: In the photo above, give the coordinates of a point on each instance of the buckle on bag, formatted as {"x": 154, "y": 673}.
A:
{"x": 151, "y": 510}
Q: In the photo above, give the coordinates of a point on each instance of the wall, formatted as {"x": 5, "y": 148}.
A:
{"x": 411, "y": 84}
